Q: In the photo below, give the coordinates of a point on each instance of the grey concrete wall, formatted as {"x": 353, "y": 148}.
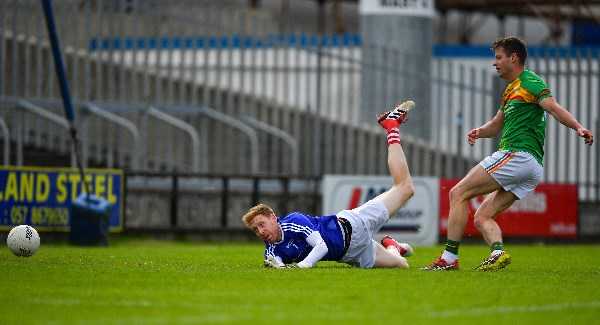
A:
{"x": 399, "y": 47}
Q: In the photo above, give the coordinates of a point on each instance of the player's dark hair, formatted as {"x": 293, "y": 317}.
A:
{"x": 512, "y": 45}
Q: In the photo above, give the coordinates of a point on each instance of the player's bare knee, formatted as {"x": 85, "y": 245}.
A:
{"x": 406, "y": 189}
{"x": 410, "y": 188}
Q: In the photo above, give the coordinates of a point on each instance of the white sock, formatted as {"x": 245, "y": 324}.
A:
{"x": 496, "y": 252}
{"x": 449, "y": 257}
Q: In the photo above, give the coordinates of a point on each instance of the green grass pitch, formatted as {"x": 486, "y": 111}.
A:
{"x": 158, "y": 282}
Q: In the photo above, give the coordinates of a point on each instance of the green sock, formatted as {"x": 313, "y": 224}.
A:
{"x": 497, "y": 246}
{"x": 452, "y": 246}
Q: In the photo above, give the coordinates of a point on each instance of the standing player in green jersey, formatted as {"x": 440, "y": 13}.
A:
{"x": 515, "y": 169}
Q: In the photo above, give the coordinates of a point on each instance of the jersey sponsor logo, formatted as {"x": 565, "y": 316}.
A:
{"x": 292, "y": 244}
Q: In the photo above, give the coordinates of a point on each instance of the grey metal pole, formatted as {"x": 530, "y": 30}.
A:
{"x": 87, "y": 83}
{"x": 557, "y": 127}
{"x": 6, "y": 140}
{"x": 496, "y": 97}
{"x": 2, "y": 46}
{"x": 241, "y": 107}
{"x": 460, "y": 119}
{"x": 15, "y": 66}
{"x": 299, "y": 71}
{"x": 99, "y": 53}
{"x": 75, "y": 45}
{"x": 597, "y": 159}
{"x": 26, "y": 56}
{"x": 351, "y": 84}
{"x": 194, "y": 69}
{"x": 19, "y": 119}
{"x": 124, "y": 94}
{"x": 475, "y": 112}
{"x": 2, "y": 40}
{"x": 565, "y": 132}
{"x": 579, "y": 115}
{"x": 183, "y": 80}
{"x": 437, "y": 113}
{"x": 170, "y": 91}
{"x": 145, "y": 88}
{"x": 317, "y": 161}
{"x": 589, "y": 120}
{"x": 449, "y": 165}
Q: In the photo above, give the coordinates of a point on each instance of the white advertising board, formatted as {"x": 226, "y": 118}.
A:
{"x": 415, "y": 223}
{"x": 424, "y": 8}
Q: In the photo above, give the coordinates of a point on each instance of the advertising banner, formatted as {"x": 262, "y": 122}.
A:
{"x": 549, "y": 211}
{"x": 416, "y": 222}
{"x": 41, "y": 197}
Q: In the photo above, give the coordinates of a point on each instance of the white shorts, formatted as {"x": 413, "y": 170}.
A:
{"x": 517, "y": 172}
{"x": 366, "y": 220}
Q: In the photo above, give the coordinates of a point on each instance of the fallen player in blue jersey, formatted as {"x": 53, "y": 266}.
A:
{"x": 299, "y": 240}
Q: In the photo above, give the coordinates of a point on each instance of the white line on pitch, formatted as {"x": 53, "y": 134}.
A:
{"x": 514, "y": 309}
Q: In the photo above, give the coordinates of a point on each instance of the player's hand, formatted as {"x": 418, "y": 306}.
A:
{"x": 272, "y": 263}
{"x": 586, "y": 134}
{"x": 472, "y": 136}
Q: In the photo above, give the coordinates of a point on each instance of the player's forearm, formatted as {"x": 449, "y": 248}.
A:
{"x": 490, "y": 129}
{"x": 316, "y": 254}
{"x": 565, "y": 118}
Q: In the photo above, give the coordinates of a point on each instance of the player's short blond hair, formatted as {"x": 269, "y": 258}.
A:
{"x": 256, "y": 210}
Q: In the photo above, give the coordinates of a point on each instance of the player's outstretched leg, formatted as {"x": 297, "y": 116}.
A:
{"x": 403, "y": 188}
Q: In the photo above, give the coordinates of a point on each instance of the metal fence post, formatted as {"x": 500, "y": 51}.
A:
{"x": 317, "y": 159}
{"x": 255, "y": 190}
{"x": 224, "y": 201}
{"x": 6, "y": 140}
{"x": 496, "y": 97}
{"x": 174, "y": 199}
{"x": 459, "y": 144}
{"x": 597, "y": 161}
{"x": 283, "y": 207}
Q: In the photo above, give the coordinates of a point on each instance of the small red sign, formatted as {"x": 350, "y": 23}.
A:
{"x": 549, "y": 211}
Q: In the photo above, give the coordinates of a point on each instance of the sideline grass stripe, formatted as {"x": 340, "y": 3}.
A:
{"x": 514, "y": 309}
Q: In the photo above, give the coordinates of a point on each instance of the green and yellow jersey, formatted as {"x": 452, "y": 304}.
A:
{"x": 524, "y": 126}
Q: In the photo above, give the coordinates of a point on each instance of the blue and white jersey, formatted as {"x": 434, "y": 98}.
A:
{"x": 297, "y": 227}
